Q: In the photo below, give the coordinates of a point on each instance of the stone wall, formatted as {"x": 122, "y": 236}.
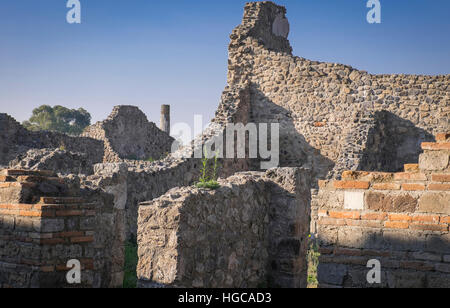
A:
{"x": 15, "y": 140}
{"x": 43, "y": 225}
{"x": 333, "y": 116}
{"x": 127, "y": 134}
{"x": 147, "y": 181}
{"x": 401, "y": 219}
{"x": 251, "y": 232}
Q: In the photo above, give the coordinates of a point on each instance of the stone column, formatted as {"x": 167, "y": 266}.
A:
{"x": 165, "y": 118}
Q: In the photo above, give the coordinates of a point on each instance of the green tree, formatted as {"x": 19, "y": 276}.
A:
{"x": 59, "y": 119}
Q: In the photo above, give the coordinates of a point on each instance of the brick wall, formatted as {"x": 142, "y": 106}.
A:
{"x": 401, "y": 219}
{"x": 42, "y": 227}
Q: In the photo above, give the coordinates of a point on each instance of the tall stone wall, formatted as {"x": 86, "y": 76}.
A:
{"x": 333, "y": 115}
{"x": 127, "y": 134}
{"x": 251, "y": 232}
{"x": 400, "y": 219}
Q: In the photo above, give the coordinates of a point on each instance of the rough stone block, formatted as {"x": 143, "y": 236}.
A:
{"x": 434, "y": 161}
{"x": 435, "y": 203}
{"x": 390, "y": 203}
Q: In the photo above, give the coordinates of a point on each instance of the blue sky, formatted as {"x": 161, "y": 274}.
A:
{"x": 150, "y": 52}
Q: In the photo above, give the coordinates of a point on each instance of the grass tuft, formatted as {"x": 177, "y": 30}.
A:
{"x": 313, "y": 263}
{"x": 131, "y": 260}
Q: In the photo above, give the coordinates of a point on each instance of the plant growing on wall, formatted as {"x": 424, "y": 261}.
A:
{"x": 208, "y": 180}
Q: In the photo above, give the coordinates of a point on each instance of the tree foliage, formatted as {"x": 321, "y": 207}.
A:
{"x": 59, "y": 119}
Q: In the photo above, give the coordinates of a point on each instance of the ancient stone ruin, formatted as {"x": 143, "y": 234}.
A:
{"x": 364, "y": 169}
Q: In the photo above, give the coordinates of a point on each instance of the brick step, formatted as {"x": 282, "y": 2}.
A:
{"x": 61, "y": 200}
{"x": 435, "y": 146}
{"x": 411, "y": 168}
{"x": 20, "y": 172}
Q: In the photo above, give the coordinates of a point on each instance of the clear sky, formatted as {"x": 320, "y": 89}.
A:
{"x": 152, "y": 52}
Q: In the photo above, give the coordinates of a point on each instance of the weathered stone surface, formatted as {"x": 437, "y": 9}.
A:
{"x": 16, "y": 140}
{"x": 434, "y": 161}
{"x": 331, "y": 274}
{"x": 390, "y": 203}
{"x": 251, "y": 231}
{"x": 127, "y": 134}
{"x": 57, "y": 160}
{"x": 435, "y": 203}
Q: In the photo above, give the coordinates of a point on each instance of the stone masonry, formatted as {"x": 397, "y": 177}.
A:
{"x": 127, "y": 134}
{"x": 44, "y": 224}
{"x": 251, "y": 232}
{"x": 334, "y": 121}
{"x": 331, "y": 114}
{"x": 401, "y": 219}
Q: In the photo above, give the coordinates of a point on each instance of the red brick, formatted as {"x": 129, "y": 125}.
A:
{"x": 345, "y": 215}
{"x": 52, "y": 241}
{"x": 374, "y": 216}
{"x": 411, "y": 167}
{"x": 331, "y": 221}
{"x": 351, "y": 185}
{"x": 445, "y": 187}
{"x": 10, "y": 184}
{"x": 420, "y": 266}
{"x": 386, "y": 186}
{"x": 69, "y": 213}
{"x": 30, "y": 213}
{"x": 25, "y": 207}
{"x": 413, "y": 187}
{"x": 396, "y": 225}
{"x": 410, "y": 176}
{"x": 445, "y": 220}
{"x": 62, "y": 268}
{"x": 70, "y": 234}
{"x": 440, "y": 177}
{"x": 426, "y": 218}
{"x": 399, "y": 217}
{"x": 48, "y": 213}
{"x": 47, "y": 269}
{"x": 436, "y": 146}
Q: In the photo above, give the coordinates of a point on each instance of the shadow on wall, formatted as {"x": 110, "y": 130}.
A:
{"x": 392, "y": 143}
{"x": 407, "y": 261}
{"x": 295, "y": 151}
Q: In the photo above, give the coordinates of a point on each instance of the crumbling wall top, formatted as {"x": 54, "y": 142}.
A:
{"x": 266, "y": 22}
